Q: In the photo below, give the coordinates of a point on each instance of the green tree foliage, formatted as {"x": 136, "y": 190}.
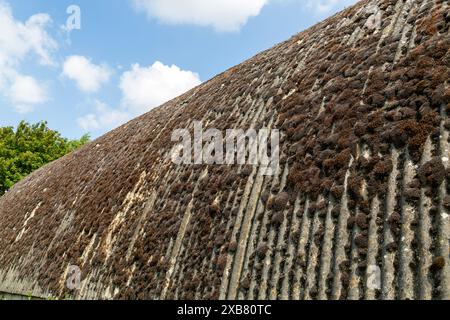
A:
{"x": 28, "y": 148}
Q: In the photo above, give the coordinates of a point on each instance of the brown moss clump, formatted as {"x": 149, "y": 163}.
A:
{"x": 395, "y": 223}
{"x": 446, "y": 202}
{"x": 335, "y": 212}
{"x": 360, "y": 129}
{"x": 278, "y": 202}
{"x": 265, "y": 196}
{"x": 351, "y": 222}
{"x": 214, "y": 210}
{"x": 337, "y": 191}
{"x": 412, "y": 195}
{"x": 383, "y": 169}
{"x": 362, "y": 241}
{"x": 295, "y": 236}
{"x": 438, "y": 264}
{"x": 245, "y": 284}
{"x": 432, "y": 173}
{"x": 326, "y": 185}
{"x": 277, "y": 219}
{"x": 392, "y": 247}
{"x": 232, "y": 247}
{"x": 361, "y": 221}
{"x": 262, "y": 251}
{"x": 355, "y": 187}
{"x": 221, "y": 262}
{"x": 411, "y": 133}
{"x": 246, "y": 171}
{"x": 220, "y": 240}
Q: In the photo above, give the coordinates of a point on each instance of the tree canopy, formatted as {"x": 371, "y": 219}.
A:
{"x": 29, "y": 147}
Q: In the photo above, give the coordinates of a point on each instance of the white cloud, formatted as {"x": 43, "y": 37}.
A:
{"x": 88, "y": 76}
{"x": 144, "y": 88}
{"x": 17, "y": 41}
{"x": 26, "y": 91}
{"x": 103, "y": 118}
{"x": 326, "y": 6}
{"x": 223, "y": 15}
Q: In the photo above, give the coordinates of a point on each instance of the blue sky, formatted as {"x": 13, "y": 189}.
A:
{"x": 129, "y": 55}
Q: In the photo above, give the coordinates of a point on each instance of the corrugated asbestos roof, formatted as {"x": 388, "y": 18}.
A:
{"x": 362, "y": 191}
